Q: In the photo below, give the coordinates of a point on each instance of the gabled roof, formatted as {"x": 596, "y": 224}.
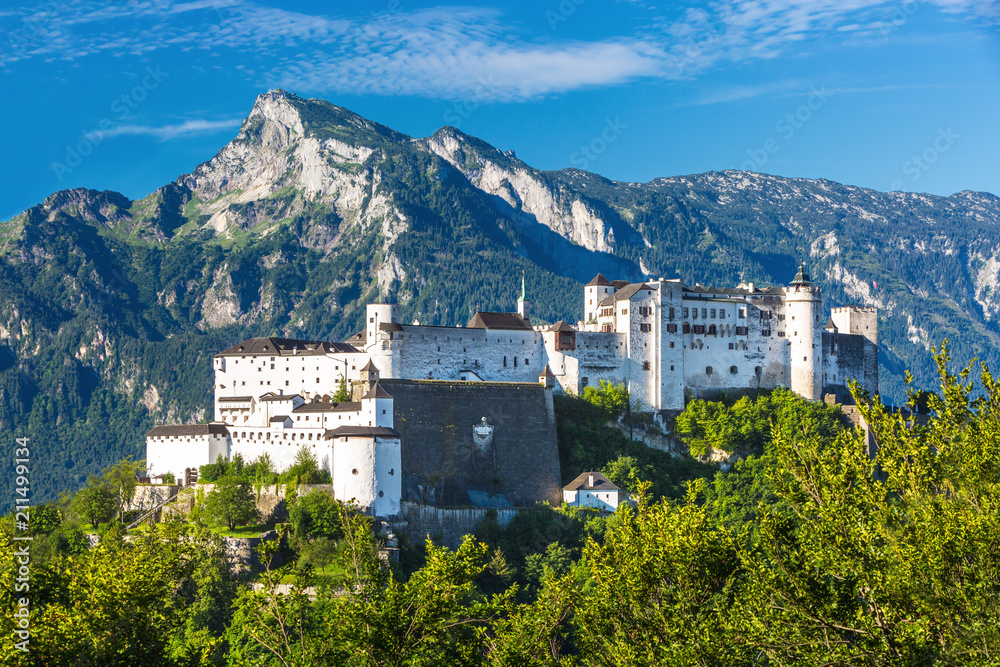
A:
{"x": 377, "y": 391}
{"x": 362, "y": 432}
{"x": 369, "y": 367}
{"x": 320, "y": 406}
{"x": 561, "y": 326}
{"x": 175, "y": 430}
{"x": 390, "y": 326}
{"x": 599, "y": 280}
{"x": 277, "y": 397}
{"x": 618, "y": 284}
{"x": 630, "y": 291}
{"x": 508, "y": 321}
{"x": 830, "y": 326}
{"x": 234, "y": 399}
{"x": 582, "y": 483}
{"x": 280, "y": 419}
{"x": 284, "y": 346}
{"x": 358, "y": 339}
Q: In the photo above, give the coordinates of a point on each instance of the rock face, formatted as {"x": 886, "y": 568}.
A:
{"x": 111, "y": 309}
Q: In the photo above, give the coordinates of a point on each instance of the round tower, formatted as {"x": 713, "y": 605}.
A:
{"x": 803, "y": 308}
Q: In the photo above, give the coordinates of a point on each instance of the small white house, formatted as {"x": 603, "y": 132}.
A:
{"x": 592, "y": 489}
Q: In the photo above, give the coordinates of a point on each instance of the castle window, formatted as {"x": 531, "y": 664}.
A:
{"x": 671, "y": 343}
{"x": 583, "y": 381}
{"x": 708, "y": 370}
{"x": 671, "y": 328}
{"x": 781, "y": 334}
{"x": 684, "y": 312}
{"x": 713, "y": 314}
{"x": 765, "y": 332}
{"x": 381, "y": 493}
{"x": 694, "y": 313}
{"x": 392, "y": 471}
{"x": 742, "y": 313}
{"x": 704, "y": 313}
{"x": 671, "y": 368}
{"x": 733, "y": 370}
{"x": 671, "y": 313}
{"x": 645, "y": 366}
{"x": 645, "y": 327}
{"x": 505, "y": 362}
{"x": 515, "y": 362}
{"x": 686, "y": 327}
{"x": 730, "y": 346}
{"x": 355, "y": 470}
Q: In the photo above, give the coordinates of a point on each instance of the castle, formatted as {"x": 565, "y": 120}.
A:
{"x": 660, "y": 338}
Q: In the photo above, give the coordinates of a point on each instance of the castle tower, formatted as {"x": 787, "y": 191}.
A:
{"x": 523, "y": 305}
{"x": 803, "y": 308}
{"x": 595, "y": 292}
{"x": 378, "y": 314}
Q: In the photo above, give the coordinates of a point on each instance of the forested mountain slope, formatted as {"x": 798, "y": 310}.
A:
{"x": 110, "y": 309}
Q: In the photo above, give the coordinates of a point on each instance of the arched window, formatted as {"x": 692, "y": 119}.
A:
{"x": 708, "y": 370}
{"x": 733, "y": 370}
{"x": 757, "y": 370}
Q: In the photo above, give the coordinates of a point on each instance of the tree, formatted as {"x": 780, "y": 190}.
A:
{"x": 232, "y": 502}
{"x": 659, "y": 589}
{"x": 343, "y": 393}
{"x": 96, "y": 503}
{"x": 122, "y": 479}
{"x": 886, "y": 559}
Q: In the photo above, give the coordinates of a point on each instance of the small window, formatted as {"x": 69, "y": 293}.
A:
{"x": 392, "y": 471}
{"x": 355, "y": 471}
{"x": 645, "y": 366}
{"x": 733, "y": 370}
{"x": 708, "y": 370}
{"x": 381, "y": 493}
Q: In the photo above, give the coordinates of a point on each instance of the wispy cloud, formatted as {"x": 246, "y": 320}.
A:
{"x": 164, "y": 132}
{"x": 451, "y": 52}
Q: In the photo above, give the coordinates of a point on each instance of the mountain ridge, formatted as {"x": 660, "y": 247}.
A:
{"x": 112, "y": 307}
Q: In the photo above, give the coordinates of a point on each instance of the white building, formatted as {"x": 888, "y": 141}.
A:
{"x": 593, "y": 489}
{"x": 354, "y": 440}
{"x": 660, "y": 338}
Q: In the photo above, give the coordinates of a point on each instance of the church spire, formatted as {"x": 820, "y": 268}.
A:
{"x": 522, "y": 302}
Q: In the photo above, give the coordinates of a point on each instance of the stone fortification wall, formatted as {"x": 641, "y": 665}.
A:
{"x": 452, "y": 458}
{"x": 271, "y": 499}
{"x": 445, "y": 526}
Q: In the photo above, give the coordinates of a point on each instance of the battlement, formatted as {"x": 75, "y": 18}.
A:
{"x": 854, "y": 309}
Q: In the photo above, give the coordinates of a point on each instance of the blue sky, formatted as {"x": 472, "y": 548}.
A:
{"x": 127, "y": 96}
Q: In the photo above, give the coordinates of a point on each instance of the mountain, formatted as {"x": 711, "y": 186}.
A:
{"x": 110, "y": 309}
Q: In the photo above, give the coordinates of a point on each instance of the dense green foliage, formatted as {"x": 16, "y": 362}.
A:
{"x": 587, "y": 441}
{"x": 749, "y": 424}
{"x": 817, "y": 551}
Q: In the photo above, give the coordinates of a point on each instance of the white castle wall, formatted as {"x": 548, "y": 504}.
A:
{"x": 255, "y": 375}
{"x": 175, "y": 453}
{"x": 441, "y": 353}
